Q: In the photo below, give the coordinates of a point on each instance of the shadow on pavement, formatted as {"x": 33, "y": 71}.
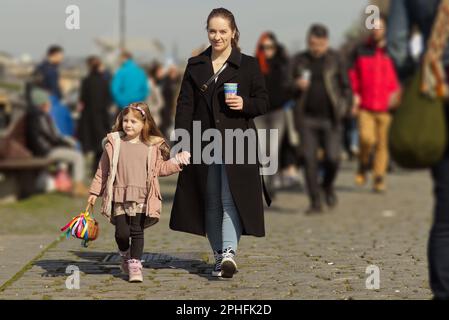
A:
{"x": 109, "y": 263}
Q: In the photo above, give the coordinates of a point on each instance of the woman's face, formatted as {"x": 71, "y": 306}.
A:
{"x": 269, "y": 48}
{"x": 219, "y": 33}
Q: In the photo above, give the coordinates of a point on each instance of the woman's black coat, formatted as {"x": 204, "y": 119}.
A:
{"x": 246, "y": 185}
{"x": 94, "y": 122}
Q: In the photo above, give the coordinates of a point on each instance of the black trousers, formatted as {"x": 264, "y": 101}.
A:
{"x": 127, "y": 228}
{"x": 316, "y": 133}
{"x": 438, "y": 246}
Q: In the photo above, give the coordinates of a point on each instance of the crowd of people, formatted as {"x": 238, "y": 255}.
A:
{"x": 102, "y": 95}
{"x": 316, "y": 97}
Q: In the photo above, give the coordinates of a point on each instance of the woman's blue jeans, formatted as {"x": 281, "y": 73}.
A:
{"x": 223, "y": 225}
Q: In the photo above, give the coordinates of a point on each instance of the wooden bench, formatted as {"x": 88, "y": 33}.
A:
{"x": 18, "y": 176}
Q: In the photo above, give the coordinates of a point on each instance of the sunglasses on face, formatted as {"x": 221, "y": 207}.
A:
{"x": 267, "y": 47}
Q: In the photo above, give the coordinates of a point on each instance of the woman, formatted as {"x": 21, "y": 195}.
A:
{"x": 155, "y": 100}
{"x": 95, "y": 100}
{"x": 221, "y": 201}
{"x": 273, "y": 63}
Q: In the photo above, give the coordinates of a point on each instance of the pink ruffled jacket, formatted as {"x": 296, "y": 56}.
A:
{"x": 103, "y": 182}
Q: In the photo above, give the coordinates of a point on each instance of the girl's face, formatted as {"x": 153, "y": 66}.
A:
{"x": 219, "y": 33}
{"x": 132, "y": 125}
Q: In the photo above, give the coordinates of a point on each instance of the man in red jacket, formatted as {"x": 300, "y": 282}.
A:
{"x": 376, "y": 88}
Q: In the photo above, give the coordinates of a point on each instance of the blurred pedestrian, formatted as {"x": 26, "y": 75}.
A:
{"x": 324, "y": 97}
{"x": 376, "y": 88}
{"x": 273, "y": 63}
{"x": 48, "y": 70}
{"x": 423, "y": 14}
{"x": 95, "y": 100}
{"x": 155, "y": 100}
{"x": 129, "y": 83}
{"x": 170, "y": 87}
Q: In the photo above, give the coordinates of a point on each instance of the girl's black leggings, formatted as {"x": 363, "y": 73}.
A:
{"x": 127, "y": 227}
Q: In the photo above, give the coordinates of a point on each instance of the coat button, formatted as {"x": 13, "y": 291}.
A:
{"x": 217, "y": 121}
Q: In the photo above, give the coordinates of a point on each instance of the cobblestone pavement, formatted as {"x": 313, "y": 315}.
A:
{"x": 302, "y": 257}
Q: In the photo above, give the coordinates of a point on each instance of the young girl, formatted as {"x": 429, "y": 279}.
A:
{"x": 135, "y": 155}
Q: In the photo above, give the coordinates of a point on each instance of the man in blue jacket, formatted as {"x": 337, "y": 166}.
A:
{"x": 130, "y": 83}
{"x": 49, "y": 70}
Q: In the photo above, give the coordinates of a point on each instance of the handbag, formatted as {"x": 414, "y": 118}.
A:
{"x": 418, "y": 132}
{"x": 83, "y": 226}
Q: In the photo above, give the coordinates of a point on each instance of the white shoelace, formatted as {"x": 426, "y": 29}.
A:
{"x": 218, "y": 258}
{"x": 228, "y": 253}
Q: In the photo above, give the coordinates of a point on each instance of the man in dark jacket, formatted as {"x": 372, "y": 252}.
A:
{"x": 324, "y": 97}
{"x": 49, "y": 70}
{"x": 46, "y": 75}
{"x": 44, "y": 140}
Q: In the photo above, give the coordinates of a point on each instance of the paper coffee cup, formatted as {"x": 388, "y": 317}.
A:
{"x": 306, "y": 74}
{"x": 230, "y": 89}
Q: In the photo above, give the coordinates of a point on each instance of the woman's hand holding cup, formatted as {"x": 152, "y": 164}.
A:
{"x": 234, "y": 101}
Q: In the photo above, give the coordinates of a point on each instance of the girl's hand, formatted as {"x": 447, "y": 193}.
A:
{"x": 234, "y": 102}
{"x": 92, "y": 198}
{"x": 182, "y": 158}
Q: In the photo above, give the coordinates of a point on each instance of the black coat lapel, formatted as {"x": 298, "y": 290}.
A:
{"x": 231, "y": 70}
{"x": 227, "y": 75}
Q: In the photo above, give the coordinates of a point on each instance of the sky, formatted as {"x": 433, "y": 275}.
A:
{"x": 30, "y": 26}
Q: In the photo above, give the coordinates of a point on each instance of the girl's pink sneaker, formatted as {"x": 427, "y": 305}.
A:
{"x": 135, "y": 270}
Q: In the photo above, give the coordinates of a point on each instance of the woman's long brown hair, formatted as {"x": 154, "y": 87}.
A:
{"x": 149, "y": 126}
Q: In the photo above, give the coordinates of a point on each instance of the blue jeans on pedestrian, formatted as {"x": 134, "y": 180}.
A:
{"x": 223, "y": 225}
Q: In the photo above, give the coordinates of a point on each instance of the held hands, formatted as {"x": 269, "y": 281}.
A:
{"x": 234, "y": 102}
{"x": 182, "y": 158}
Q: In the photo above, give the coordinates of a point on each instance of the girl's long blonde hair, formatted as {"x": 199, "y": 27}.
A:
{"x": 149, "y": 129}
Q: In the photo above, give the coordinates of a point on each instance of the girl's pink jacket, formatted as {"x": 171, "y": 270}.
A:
{"x": 103, "y": 182}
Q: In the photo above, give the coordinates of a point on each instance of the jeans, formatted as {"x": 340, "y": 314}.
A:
{"x": 403, "y": 14}
{"x": 223, "y": 225}
{"x": 130, "y": 227}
